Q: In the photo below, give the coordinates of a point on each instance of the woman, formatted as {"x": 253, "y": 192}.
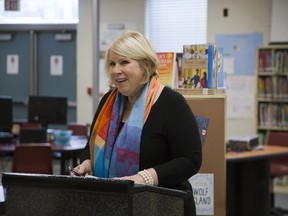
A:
{"x": 142, "y": 131}
{"x": 203, "y": 81}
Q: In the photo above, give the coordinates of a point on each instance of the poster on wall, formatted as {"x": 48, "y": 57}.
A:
{"x": 240, "y": 49}
{"x": 109, "y": 31}
{"x": 241, "y": 97}
{"x": 239, "y": 59}
{"x": 12, "y": 64}
{"x": 203, "y": 192}
{"x": 56, "y": 65}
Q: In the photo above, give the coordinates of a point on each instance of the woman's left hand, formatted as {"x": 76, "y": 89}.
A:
{"x": 136, "y": 178}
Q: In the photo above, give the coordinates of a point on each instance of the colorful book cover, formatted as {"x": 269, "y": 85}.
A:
{"x": 202, "y": 126}
{"x": 199, "y": 66}
{"x": 167, "y": 69}
{"x": 262, "y": 60}
{"x": 179, "y": 57}
{"x": 212, "y": 66}
{"x": 221, "y": 75}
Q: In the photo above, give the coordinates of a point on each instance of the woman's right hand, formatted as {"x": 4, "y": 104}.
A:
{"x": 85, "y": 168}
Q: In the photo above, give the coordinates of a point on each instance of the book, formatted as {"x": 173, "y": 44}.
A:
{"x": 179, "y": 57}
{"x": 199, "y": 65}
{"x": 221, "y": 74}
{"x": 167, "y": 69}
{"x": 202, "y": 126}
{"x": 213, "y": 63}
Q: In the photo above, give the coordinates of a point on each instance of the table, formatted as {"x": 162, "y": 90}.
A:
{"x": 248, "y": 181}
{"x": 76, "y": 146}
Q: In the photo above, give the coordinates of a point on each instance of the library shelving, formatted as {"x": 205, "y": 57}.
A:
{"x": 272, "y": 97}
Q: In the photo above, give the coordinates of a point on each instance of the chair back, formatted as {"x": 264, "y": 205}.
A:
{"x": 33, "y": 158}
{"x": 278, "y": 165}
{"x": 30, "y": 125}
{"x": 278, "y": 138}
{"x": 78, "y": 129}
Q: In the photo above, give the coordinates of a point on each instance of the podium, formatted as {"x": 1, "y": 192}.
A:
{"x": 40, "y": 194}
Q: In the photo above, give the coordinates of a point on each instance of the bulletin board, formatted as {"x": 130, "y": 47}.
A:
{"x": 239, "y": 62}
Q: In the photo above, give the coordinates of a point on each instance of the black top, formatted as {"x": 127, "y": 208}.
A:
{"x": 170, "y": 141}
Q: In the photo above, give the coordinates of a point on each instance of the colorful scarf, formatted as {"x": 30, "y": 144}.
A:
{"x": 116, "y": 154}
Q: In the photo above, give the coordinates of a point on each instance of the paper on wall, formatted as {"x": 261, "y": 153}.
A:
{"x": 56, "y": 65}
{"x": 12, "y": 64}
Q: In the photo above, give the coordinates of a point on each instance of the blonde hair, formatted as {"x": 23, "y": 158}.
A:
{"x": 134, "y": 45}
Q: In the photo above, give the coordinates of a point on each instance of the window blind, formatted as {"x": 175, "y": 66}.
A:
{"x": 169, "y": 24}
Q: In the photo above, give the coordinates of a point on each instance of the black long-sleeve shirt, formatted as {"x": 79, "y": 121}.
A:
{"x": 170, "y": 140}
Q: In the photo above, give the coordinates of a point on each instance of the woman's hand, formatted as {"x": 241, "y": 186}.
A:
{"x": 84, "y": 169}
{"x": 138, "y": 179}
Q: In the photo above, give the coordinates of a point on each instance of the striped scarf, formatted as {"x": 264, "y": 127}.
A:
{"x": 116, "y": 154}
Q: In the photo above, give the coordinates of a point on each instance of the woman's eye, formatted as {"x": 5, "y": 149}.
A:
{"x": 124, "y": 62}
{"x": 112, "y": 64}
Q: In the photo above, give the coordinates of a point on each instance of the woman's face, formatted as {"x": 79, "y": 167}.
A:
{"x": 126, "y": 74}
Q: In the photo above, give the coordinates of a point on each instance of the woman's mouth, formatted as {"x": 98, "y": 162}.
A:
{"x": 121, "y": 80}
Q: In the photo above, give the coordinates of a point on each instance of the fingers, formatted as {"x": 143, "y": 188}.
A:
{"x": 83, "y": 169}
{"x": 136, "y": 178}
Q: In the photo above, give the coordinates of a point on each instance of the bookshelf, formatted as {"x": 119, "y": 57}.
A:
{"x": 272, "y": 84}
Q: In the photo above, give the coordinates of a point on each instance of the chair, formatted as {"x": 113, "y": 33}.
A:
{"x": 21, "y": 124}
{"x": 33, "y": 158}
{"x": 278, "y": 166}
{"x": 79, "y": 129}
{"x": 30, "y": 125}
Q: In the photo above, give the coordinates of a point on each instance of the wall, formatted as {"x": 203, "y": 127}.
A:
{"x": 111, "y": 11}
{"x": 84, "y": 72}
{"x": 279, "y": 30}
{"x": 121, "y": 11}
{"x": 245, "y": 16}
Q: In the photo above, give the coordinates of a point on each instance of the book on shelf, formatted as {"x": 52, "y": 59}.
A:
{"x": 179, "y": 57}
{"x": 273, "y": 60}
{"x": 199, "y": 65}
{"x": 272, "y": 115}
{"x": 261, "y": 88}
{"x": 272, "y": 87}
{"x": 202, "y": 123}
{"x": 167, "y": 69}
{"x": 221, "y": 76}
{"x": 269, "y": 87}
{"x": 272, "y": 74}
{"x": 283, "y": 89}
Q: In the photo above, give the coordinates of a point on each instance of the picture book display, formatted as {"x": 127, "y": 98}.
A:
{"x": 199, "y": 65}
{"x": 167, "y": 69}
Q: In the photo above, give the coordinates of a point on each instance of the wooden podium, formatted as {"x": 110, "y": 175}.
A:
{"x": 38, "y": 194}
